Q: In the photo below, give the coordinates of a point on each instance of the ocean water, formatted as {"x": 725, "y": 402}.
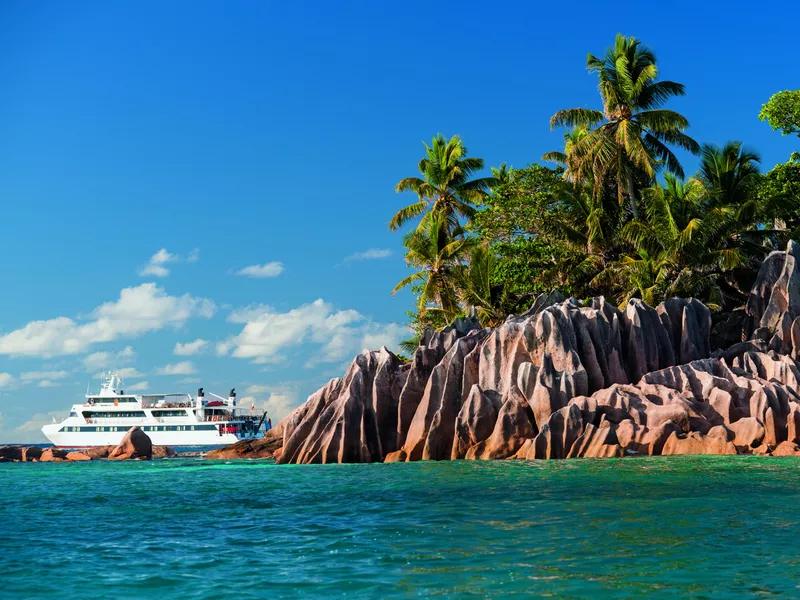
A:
{"x": 692, "y": 527}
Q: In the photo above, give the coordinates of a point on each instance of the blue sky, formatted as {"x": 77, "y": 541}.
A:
{"x": 219, "y": 136}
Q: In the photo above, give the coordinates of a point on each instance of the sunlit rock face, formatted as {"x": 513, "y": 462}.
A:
{"x": 571, "y": 380}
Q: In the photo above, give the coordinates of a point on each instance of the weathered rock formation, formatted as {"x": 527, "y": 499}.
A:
{"x": 135, "y": 445}
{"x": 261, "y": 448}
{"x": 568, "y": 380}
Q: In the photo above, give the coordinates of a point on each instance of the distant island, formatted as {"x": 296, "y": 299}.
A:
{"x": 606, "y": 307}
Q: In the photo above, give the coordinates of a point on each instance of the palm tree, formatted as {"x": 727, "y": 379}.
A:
{"x": 437, "y": 253}
{"x": 575, "y": 169}
{"x": 445, "y": 187}
{"x": 673, "y": 219}
{"x": 732, "y": 209}
{"x": 640, "y": 274}
{"x": 477, "y": 286}
{"x": 730, "y": 174}
{"x": 627, "y": 142}
{"x": 699, "y": 234}
{"x": 501, "y": 174}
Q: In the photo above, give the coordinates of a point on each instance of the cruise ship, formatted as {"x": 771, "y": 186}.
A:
{"x": 168, "y": 419}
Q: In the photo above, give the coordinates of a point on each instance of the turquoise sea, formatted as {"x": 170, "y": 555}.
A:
{"x": 693, "y": 527}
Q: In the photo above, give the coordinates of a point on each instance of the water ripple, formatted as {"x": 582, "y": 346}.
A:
{"x": 712, "y": 527}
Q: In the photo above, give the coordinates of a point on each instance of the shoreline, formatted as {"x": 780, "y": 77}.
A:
{"x": 566, "y": 379}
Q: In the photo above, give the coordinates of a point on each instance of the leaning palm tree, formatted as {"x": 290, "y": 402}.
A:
{"x": 628, "y": 141}
{"x": 437, "y": 253}
{"x": 446, "y": 187}
{"x": 479, "y": 288}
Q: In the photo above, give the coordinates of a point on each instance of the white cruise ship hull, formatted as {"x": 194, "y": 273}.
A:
{"x": 167, "y": 419}
{"x": 87, "y": 439}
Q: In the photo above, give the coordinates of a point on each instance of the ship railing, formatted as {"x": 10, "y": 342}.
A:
{"x": 134, "y": 420}
{"x": 157, "y": 406}
{"x": 113, "y": 421}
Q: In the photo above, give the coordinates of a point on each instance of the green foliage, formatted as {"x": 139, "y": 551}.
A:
{"x": 517, "y": 222}
{"x": 628, "y": 141}
{"x": 782, "y": 112}
{"x": 480, "y": 287}
{"x": 780, "y": 191}
{"x": 437, "y": 253}
{"x": 616, "y": 217}
{"x": 445, "y": 188}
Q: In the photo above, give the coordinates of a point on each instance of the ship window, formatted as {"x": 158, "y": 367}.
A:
{"x": 113, "y": 415}
{"x": 72, "y": 413}
{"x": 169, "y": 413}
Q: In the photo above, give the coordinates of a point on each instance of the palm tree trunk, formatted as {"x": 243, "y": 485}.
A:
{"x": 632, "y": 197}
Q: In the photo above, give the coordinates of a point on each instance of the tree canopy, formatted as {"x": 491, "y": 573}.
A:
{"x": 617, "y": 215}
{"x": 782, "y": 112}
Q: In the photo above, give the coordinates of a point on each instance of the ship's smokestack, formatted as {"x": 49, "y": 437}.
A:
{"x": 200, "y": 404}
{"x": 232, "y": 398}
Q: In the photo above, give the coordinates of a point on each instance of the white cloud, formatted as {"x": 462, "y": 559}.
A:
{"x": 190, "y": 348}
{"x": 30, "y": 431}
{"x": 36, "y": 422}
{"x": 138, "y": 387}
{"x": 194, "y": 255}
{"x": 371, "y": 254}
{"x": 248, "y": 313}
{"x": 270, "y": 269}
{"x": 337, "y": 334}
{"x": 6, "y": 379}
{"x": 156, "y": 265}
{"x": 44, "y": 379}
{"x": 182, "y": 368}
{"x": 129, "y": 373}
{"x": 138, "y": 310}
{"x": 41, "y": 375}
{"x": 256, "y": 390}
{"x": 282, "y": 400}
{"x": 47, "y": 383}
{"x": 103, "y": 360}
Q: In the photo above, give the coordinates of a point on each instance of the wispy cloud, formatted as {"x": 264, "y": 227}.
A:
{"x": 190, "y": 348}
{"x": 108, "y": 360}
{"x": 39, "y": 375}
{"x": 185, "y": 367}
{"x": 270, "y": 269}
{"x": 139, "y": 387}
{"x": 6, "y": 380}
{"x": 44, "y": 379}
{"x": 371, "y": 254}
{"x": 156, "y": 266}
